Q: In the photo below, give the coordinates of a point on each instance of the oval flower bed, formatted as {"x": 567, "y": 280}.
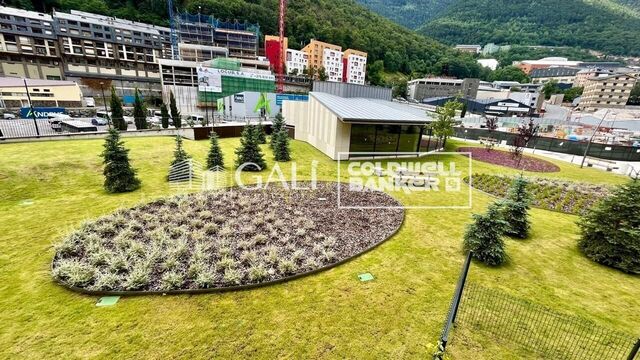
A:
{"x": 549, "y": 194}
{"x": 504, "y": 158}
{"x": 222, "y": 240}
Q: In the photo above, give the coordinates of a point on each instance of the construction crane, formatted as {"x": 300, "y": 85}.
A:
{"x": 280, "y": 65}
{"x": 175, "y": 53}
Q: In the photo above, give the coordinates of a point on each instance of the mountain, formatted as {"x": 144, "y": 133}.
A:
{"x": 410, "y": 13}
{"x": 610, "y": 26}
{"x": 342, "y": 22}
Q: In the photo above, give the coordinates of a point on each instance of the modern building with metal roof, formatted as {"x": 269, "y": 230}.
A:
{"x": 341, "y": 126}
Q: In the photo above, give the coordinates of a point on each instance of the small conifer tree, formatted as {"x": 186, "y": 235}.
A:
{"x": 515, "y": 209}
{"x": 484, "y": 237}
{"x": 119, "y": 176}
{"x": 277, "y": 125}
{"x": 164, "y": 116}
{"x": 248, "y": 155}
{"x": 281, "y": 149}
{"x": 175, "y": 114}
{"x": 139, "y": 112}
{"x": 179, "y": 155}
{"x": 611, "y": 230}
{"x": 260, "y": 135}
{"x": 117, "y": 114}
{"x": 215, "y": 160}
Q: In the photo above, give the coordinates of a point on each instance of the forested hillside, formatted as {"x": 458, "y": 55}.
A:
{"x": 342, "y": 22}
{"x": 410, "y": 13}
{"x": 610, "y": 26}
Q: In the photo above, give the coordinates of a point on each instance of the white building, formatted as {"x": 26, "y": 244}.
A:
{"x": 355, "y": 66}
{"x": 332, "y": 63}
{"x": 489, "y": 63}
{"x": 296, "y": 61}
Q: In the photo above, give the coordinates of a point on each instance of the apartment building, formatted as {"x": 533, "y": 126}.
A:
{"x": 583, "y": 75}
{"x": 420, "y": 89}
{"x": 316, "y": 50}
{"x": 296, "y": 61}
{"x": 333, "y": 65}
{"x": 28, "y": 45}
{"x": 240, "y": 38}
{"x": 354, "y": 66}
{"x": 610, "y": 91}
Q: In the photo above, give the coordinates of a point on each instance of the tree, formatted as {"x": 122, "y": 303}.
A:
{"x": 175, "y": 114}
{"x": 375, "y": 71}
{"x": 611, "y": 230}
{"x": 248, "y": 155}
{"x": 509, "y": 73}
{"x": 259, "y": 133}
{"x": 551, "y": 88}
{"x": 634, "y": 96}
{"x": 117, "y": 114}
{"x": 443, "y": 126}
{"x": 400, "y": 89}
{"x": 215, "y": 159}
{"x": 164, "y": 116}
{"x": 515, "y": 209}
{"x": 322, "y": 74}
{"x": 179, "y": 154}
{"x": 119, "y": 176}
{"x": 277, "y": 125}
{"x": 526, "y": 132}
{"x": 139, "y": 112}
{"x": 484, "y": 236}
{"x": 572, "y": 93}
{"x": 281, "y": 149}
{"x": 491, "y": 123}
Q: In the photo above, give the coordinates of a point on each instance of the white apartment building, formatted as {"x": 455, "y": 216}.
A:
{"x": 296, "y": 61}
{"x": 332, "y": 63}
{"x": 609, "y": 91}
{"x": 355, "y": 67}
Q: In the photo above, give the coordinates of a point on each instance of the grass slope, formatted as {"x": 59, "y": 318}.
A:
{"x": 329, "y": 315}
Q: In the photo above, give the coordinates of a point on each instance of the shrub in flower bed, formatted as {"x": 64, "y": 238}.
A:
{"x": 550, "y": 194}
{"x": 222, "y": 239}
{"x": 504, "y": 158}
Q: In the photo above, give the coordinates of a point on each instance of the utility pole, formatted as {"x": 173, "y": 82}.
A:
{"x": 104, "y": 102}
{"x": 586, "y": 151}
{"x": 33, "y": 114}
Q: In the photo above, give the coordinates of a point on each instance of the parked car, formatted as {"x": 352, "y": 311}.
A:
{"x": 8, "y": 116}
{"x": 99, "y": 121}
{"x": 91, "y": 102}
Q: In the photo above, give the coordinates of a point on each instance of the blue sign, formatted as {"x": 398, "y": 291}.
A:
{"x": 41, "y": 112}
{"x": 291, "y": 97}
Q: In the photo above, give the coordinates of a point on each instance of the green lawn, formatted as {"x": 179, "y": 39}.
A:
{"x": 328, "y": 315}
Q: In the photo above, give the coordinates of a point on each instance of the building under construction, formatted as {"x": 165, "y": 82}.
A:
{"x": 240, "y": 38}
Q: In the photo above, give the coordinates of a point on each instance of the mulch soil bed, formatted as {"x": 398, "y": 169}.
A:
{"x": 504, "y": 158}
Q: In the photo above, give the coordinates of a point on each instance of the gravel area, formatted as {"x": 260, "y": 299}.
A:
{"x": 223, "y": 239}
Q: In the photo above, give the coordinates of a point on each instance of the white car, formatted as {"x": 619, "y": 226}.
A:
{"x": 8, "y": 116}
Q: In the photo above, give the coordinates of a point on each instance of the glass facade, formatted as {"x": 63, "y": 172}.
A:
{"x": 384, "y": 138}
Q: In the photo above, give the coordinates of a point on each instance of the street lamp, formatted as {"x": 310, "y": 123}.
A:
{"x": 33, "y": 114}
{"x": 104, "y": 102}
{"x": 586, "y": 151}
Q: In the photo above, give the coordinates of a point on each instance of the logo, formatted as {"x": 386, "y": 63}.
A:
{"x": 414, "y": 178}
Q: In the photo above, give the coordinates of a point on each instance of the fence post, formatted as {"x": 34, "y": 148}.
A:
{"x": 634, "y": 350}
{"x": 453, "y": 308}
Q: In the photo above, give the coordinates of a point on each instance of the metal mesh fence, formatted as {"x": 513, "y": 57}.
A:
{"x": 539, "y": 329}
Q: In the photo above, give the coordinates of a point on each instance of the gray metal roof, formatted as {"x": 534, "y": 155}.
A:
{"x": 371, "y": 110}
